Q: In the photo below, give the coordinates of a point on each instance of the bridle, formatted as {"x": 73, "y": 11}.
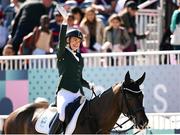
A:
{"x": 131, "y": 114}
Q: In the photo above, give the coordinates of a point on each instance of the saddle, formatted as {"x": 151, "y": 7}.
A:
{"x": 49, "y": 120}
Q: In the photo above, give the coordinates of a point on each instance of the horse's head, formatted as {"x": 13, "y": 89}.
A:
{"x": 132, "y": 104}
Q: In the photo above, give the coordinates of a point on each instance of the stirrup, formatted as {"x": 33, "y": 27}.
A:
{"x": 56, "y": 127}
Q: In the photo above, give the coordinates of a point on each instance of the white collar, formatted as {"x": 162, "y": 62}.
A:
{"x": 74, "y": 53}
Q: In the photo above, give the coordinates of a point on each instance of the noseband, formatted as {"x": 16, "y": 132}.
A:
{"x": 131, "y": 113}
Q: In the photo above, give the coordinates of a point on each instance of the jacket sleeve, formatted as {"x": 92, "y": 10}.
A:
{"x": 62, "y": 41}
{"x": 85, "y": 83}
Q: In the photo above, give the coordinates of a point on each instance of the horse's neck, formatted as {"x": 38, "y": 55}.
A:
{"x": 106, "y": 108}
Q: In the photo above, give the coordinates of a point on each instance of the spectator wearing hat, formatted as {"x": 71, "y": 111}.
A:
{"x": 128, "y": 18}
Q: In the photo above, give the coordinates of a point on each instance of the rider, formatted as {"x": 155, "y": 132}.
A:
{"x": 70, "y": 65}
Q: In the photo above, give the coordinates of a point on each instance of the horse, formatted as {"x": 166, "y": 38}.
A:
{"x": 98, "y": 115}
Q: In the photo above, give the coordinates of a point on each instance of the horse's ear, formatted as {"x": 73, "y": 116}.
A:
{"x": 127, "y": 77}
{"x": 140, "y": 80}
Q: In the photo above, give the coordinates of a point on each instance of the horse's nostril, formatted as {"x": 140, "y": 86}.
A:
{"x": 142, "y": 124}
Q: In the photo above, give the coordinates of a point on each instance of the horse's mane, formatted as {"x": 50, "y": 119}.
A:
{"x": 102, "y": 95}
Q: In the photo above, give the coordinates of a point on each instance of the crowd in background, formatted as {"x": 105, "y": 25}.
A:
{"x": 32, "y": 26}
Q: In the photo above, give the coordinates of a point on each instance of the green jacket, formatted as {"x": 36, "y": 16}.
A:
{"x": 70, "y": 70}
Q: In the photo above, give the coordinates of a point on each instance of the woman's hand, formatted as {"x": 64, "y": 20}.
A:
{"x": 63, "y": 12}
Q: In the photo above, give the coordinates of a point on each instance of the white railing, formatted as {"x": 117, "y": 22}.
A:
{"x": 92, "y": 60}
{"x": 149, "y": 20}
{"x": 164, "y": 120}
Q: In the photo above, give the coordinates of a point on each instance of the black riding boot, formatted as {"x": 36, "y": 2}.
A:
{"x": 56, "y": 127}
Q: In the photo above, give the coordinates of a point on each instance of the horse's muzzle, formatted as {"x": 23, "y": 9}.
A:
{"x": 141, "y": 123}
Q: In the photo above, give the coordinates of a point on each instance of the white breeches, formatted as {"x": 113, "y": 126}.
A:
{"x": 64, "y": 97}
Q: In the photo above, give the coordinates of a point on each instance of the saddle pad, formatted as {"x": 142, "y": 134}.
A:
{"x": 42, "y": 124}
{"x": 72, "y": 124}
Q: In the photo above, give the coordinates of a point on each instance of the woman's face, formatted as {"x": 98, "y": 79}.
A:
{"x": 74, "y": 43}
{"x": 70, "y": 21}
{"x": 90, "y": 16}
{"x": 59, "y": 19}
{"x": 115, "y": 23}
{"x": 8, "y": 51}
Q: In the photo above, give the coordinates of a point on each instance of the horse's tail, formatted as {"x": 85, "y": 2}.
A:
{"x": 3, "y": 130}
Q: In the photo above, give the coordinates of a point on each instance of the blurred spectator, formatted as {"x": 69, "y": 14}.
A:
{"x": 3, "y": 33}
{"x": 85, "y": 4}
{"x": 70, "y": 21}
{"x": 165, "y": 41}
{"x": 175, "y": 28}
{"x": 120, "y": 5}
{"x": 128, "y": 18}
{"x": 54, "y": 26}
{"x": 8, "y": 50}
{"x": 116, "y": 38}
{"x": 4, "y": 3}
{"x": 105, "y": 8}
{"x": 79, "y": 2}
{"x": 27, "y": 18}
{"x": 78, "y": 15}
{"x": 93, "y": 29}
{"x": 10, "y": 12}
{"x": 39, "y": 41}
{"x": 69, "y": 4}
{"x": 165, "y": 45}
{"x": 44, "y": 40}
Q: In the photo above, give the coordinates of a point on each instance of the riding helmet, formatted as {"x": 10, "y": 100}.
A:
{"x": 74, "y": 33}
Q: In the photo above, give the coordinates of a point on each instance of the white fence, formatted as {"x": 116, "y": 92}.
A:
{"x": 149, "y": 20}
{"x": 92, "y": 60}
{"x": 164, "y": 120}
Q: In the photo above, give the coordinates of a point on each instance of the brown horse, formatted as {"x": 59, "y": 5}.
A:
{"x": 99, "y": 115}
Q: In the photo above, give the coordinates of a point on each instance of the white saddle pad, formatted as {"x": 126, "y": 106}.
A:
{"x": 42, "y": 124}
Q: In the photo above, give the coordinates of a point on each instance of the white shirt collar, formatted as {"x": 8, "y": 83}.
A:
{"x": 74, "y": 53}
